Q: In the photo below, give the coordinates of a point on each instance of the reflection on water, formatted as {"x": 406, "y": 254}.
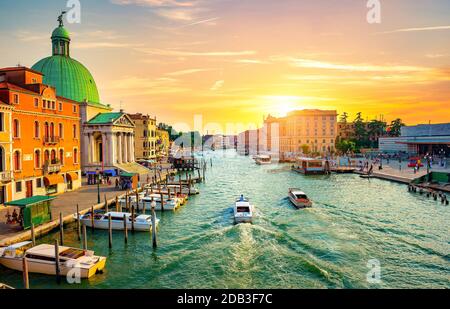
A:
{"x": 328, "y": 246}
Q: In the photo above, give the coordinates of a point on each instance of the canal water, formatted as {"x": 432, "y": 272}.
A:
{"x": 352, "y": 222}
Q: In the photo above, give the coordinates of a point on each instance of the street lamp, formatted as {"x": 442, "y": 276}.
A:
{"x": 97, "y": 172}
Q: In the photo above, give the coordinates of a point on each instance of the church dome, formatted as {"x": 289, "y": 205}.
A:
{"x": 71, "y": 79}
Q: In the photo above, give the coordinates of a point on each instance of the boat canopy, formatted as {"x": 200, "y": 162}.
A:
{"x": 19, "y": 245}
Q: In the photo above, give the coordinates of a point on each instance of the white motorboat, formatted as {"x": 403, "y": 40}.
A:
{"x": 176, "y": 189}
{"x": 169, "y": 203}
{"x": 263, "y": 160}
{"x": 101, "y": 221}
{"x": 41, "y": 259}
{"x": 243, "y": 211}
{"x": 299, "y": 198}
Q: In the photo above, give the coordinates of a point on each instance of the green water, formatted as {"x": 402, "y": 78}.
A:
{"x": 328, "y": 246}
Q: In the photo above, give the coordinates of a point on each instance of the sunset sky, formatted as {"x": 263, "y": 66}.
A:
{"x": 234, "y": 61}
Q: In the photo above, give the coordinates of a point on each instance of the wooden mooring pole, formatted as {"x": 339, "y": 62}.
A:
{"x": 78, "y": 223}
{"x": 92, "y": 219}
{"x": 61, "y": 229}
{"x": 132, "y": 219}
{"x": 117, "y": 203}
{"x": 84, "y": 238}
{"x": 57, "y": 268}
{"x": 26, "y": 278}
{"x": 110, "y": 231}
{"x": 125, "y": 228}
{"x": 106, "y": 204}
{"x": 154, "y": 239}
{"x": 33, "y": 236}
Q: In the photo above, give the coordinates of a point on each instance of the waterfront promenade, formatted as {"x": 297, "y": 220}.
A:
{"x": 66, "y": 204}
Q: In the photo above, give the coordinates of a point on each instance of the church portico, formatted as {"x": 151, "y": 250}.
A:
{"x": 109, "y": 137}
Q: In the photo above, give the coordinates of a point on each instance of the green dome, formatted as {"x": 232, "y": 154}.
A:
{"x": 61, "y": 32}
{"x": 70, "y": 78}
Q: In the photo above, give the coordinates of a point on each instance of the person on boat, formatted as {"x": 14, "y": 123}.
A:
{"x": 242, "y": 198}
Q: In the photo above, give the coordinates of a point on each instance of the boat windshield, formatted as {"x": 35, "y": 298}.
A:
{"x": 243, "y": 209}
{"x": 301, "y": 196}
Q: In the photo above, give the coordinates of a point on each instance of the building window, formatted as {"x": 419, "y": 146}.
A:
{"x": 17, "y": 163}
{"x": 60, "y": 106}
{"x": 2, "y": 122}
{"x": 75, "y": 134}
{"x": 36, "y": 129}
{"x": 74, "y": 108}
{"x": 75, "y": 156}
{"x": 16, "y": 128}
{"x": 39, "y": 182}
{"x": 61, "y": 130}
{"x": 52, "y": 129}
{"x": 36, "y": 102}
{"x": 37, "y": 159}
{"x": 53, "y": 105}
{"x": 61, "y": 156}
{"x": 53, "y": 156}
{"x": 16, "y": 99}
{"x": 18, "y": 187}
{"x": 46, "y": 157}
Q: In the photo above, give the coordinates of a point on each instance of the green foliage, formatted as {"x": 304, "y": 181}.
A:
{"x": 346, "y": 146}
{"x": 305, "y": 149}
{"x": 395, "y": 127}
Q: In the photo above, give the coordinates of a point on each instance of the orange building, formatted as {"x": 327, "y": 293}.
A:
{"x": 45, "y": 132}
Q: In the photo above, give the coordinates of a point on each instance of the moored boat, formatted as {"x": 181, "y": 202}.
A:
{"x": 309, "y": 166}
{"x": 101, "y": 221}
{"x": 41, "y": 259}
{"x": 243, "y": 211}
{"x": 299, "y": 198}
{"x": 263, "y": 160}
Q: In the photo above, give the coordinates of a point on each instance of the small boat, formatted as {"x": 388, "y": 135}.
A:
{"x": 176, "y": 189}
{"x": 41, "y": 260}
{"x": 101, "y": 221}
{"x": 243, "y": 211}
{"x": 299, "y": 198}
{"x": 263, "y": 160}
{"x": 169, "y": 203}
{"x": 308, "y": 166}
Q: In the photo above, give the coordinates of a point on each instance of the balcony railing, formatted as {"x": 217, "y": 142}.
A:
{"x": 52, "y": 167}
{"x": 5, "y": 176}
{"x": 51, "y": 140}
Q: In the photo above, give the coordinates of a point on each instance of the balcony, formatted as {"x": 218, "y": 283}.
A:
{"x": 52, "y": 167}
{"x": 51, "y": 140}
{"x": 5, "y": 176}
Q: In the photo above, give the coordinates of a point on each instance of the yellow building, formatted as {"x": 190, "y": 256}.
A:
{"x": 312, "y": 130}
{"x": 163, "y": 143}
{"x": 145, "y": 137}
{"x": 5, "y": 153}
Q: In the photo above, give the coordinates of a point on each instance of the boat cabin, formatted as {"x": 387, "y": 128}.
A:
{"x": 34, "y": 210}
{"x": 310, "y": 166}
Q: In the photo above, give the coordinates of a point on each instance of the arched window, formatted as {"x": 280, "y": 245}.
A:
{"x": 17, "y": 163}
{"x": 52, "y": 130}
{"x": 75, "y": 156}
{"x": 53, "y": 157}
{"x": 61, "y": 156}
{"x": 36, "y": 129}
{"x": 61, "y": 130}
{"x": 16, "y": 128}
{"x": 37, "y": 159}
{"x": 75, "y": 134}
{"x": 2, "y": 159}
{"x": 46, "y": 131}
{"x": 47, "y": 157}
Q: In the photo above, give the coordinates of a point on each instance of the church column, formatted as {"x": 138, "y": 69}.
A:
{"x": 132, "y": 147}
{"x": 104, "y": 149}
{"x": 112, "y": 148}
{"x": 119, "y": 148}
{"x": 92, "y": 149}
{"x": 86, "y": 150}
{"x": 125, "y": 148}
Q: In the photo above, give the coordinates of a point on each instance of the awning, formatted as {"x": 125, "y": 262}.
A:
{"x": 52, "y": 180}
{"x": 30, "y": 201}
{"x": 111, "y": 173}
{"x": 72, "y": 176}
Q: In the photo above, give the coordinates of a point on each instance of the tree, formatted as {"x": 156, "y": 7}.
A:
{"x": 346, "y": 146}
{"x": 305, "y": 149}
{"x": 344, "y": 117}
{"x": 395, "y": 127}
{"x": 376, "y": 128}
{"x": 360, "y": 131}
